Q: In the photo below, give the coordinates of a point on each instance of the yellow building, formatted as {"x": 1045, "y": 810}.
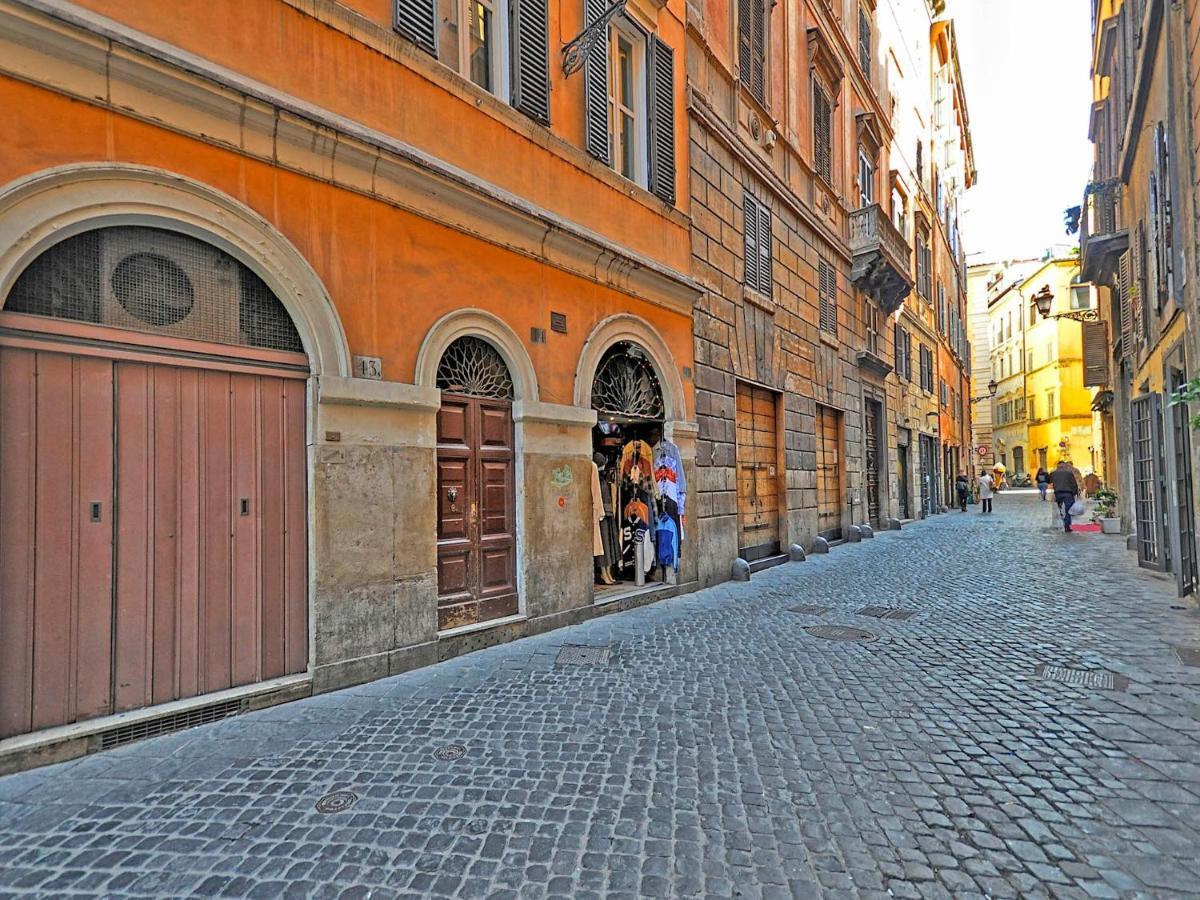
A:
{"x": 1041, "y": 411}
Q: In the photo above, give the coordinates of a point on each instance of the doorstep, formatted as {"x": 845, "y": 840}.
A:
{"x": 768, "y": 562}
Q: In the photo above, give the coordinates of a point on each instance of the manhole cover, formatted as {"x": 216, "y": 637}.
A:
{"x": 840, "y": 633}
{"x": 450, "y": 752}
{"x": 809, "y": 609}
{"x": 1189, "y": 656}
{"x": 1092, "y": 678}
{"x": 886, "y": 612}
{"x": 337, "y": 801}
{"x": 583, "y": 656}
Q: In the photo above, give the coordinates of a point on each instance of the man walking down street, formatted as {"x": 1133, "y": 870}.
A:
{"x": 986, "y": 483}
{"x": 1066, "y": 489}
{"x": 962, "y": 487}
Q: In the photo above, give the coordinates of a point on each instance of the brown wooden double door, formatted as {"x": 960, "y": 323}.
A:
{"x": 829, "y": 472}
{"x": 757, "y": 467}
{"x": 476, "y": 511}
{"x": 153, "y": 536}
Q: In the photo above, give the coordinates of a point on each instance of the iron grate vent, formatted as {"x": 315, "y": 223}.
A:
{"x": 583, "y": 656}
{"x": 1091, "y": 678}
{"x": 810, "y": 609}
{"x": 887, "y": 612}
{"x": 136, "y": 731}
{"x": 841, "y": 633}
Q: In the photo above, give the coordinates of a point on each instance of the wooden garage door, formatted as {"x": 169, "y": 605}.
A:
{"x": 829, "y": 472}
{"x": 153, "y": 537}
{"x": 757, "y": 468}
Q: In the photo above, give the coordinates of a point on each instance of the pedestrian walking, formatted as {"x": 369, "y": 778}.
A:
{"x": 1066, "y": 489}
{"x": 1043, "y": 481}
{"x": 962, "y": 487}
{"x": 986, "y": 484}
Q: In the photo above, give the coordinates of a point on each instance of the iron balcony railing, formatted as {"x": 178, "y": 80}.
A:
{"x": 1103, "y": 236}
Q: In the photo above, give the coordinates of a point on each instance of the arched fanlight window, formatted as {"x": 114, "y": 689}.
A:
{"x": 158, "y": 281}
{"x": 472, "y": 366}
{"x": 626, "y": 383}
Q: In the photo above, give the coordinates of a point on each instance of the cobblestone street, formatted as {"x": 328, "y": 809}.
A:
{"x": 720, "y": 750}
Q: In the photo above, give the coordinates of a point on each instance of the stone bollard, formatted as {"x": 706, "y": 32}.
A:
{"x": 740, "y": 570}
{"x": 867, "y": 531}
{"x": 820, "y": 545}
{"x": 796, "y": 553}
{"x": 853, "y": 534}
{"x": 895, "y": 524}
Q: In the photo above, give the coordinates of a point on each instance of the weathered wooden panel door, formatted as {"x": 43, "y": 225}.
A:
{"x": 872, "y": 431}
{"x": 1181, "y": 467}
{"x": 153, "y": 537}
{"x": 476, "y": 511}
{"x": 829, "y": 473}
{"x": 757, "y": 473}
{"x": 904, "y": 473}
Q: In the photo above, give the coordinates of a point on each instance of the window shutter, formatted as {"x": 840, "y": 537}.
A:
{"x": 864, "y": 41}
{"x": 898, "y": 341}
{"x": 766, "y": 280}
{"x": 530, "y": 27}
{"x": 1126, "y": 275}
{"x": 417, "y": 21}
{"x": 1141, "y": 282}
{"x": 828, "y": 292}
{"x": 908, "y": 355}
{"x": 1165, "y": 241}
{"x": 595, "y": 87}
{"x": 750, "y": 235}
{"x": 662, "y": 120}
{"x": 745, "y": 41}
{"x": 822, "y": 126}
{"x": 1095, "y": 354}
{"x": 758, "y": 40}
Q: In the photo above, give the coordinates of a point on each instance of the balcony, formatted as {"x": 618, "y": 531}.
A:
{"x": 1103, "y": 236}
{"x": 881, "y": 258}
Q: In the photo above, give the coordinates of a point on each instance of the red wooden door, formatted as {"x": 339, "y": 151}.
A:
{"x": 153, "y": 537}
{"x": 476, "y": 511}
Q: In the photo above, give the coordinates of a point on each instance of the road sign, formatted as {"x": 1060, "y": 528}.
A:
{"x": 982, "y": 450}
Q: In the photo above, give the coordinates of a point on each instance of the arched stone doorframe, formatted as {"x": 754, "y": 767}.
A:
{"x": 49, "y": 206}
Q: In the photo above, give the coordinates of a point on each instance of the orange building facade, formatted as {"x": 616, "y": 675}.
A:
{"x": 307, "y": 319}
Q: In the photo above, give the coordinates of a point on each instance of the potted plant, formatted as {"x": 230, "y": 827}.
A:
{"x": 1105, "y": 511}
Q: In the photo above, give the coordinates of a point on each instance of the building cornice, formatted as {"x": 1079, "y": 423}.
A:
{"x": 78, "y": 53}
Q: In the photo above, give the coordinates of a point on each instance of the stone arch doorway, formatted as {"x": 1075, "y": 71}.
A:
{"x": 154, "y": 498}
{"x": 476, "y": 477}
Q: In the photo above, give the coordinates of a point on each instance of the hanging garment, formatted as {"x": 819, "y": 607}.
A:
{"x": 667, "y": 541}
{"x": 648, "y": 550}
{"x": 636, "y": 509}
{"x": 637, "y": 464}
{"x": 669, "y": 476}
{"x": 597, "y": 512}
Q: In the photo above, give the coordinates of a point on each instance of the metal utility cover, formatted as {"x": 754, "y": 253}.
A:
{"x": 337, "y": 801}
{"x": 809, "y": 609}
{"x": 583, "y": 656}
{"x": 1092, "y": 678}
{"x": 841, "y": 633}
{"x": 887, "y": 612}
{"x": 450, "y": 752}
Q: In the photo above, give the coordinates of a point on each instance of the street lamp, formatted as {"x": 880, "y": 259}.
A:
{"x": 992, "y": 388}
{"x": 1044, "y": 299}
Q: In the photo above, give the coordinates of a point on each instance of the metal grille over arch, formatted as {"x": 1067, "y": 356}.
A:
{"x": 158, "y": 281}
{"x": 626, "y": 384}
{"x": 474, "y": 367}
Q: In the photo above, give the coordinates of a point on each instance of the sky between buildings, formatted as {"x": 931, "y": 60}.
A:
{"x": 1026, "y": 67}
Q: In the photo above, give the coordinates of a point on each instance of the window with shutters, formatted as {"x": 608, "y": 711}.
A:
{"x": 757, "y": 244}
{"x": 1161, "y": 210}
{"x": 866, "y": 179}
{"x": 822, "y": 133}
{"x": 943, "y": 397}
{"x": 941, "y": 309}
{"x": 903, "y": 340}
{"x": 1081, "y": 296}
{"x": 1050, "y": 400}
{"x": 1095, "y": 354}
{"x": 924, "y": 266}
{"x": 627, "y": 101}
{"x": 873, "y": 323}
{"x": 864, "y": 40}
{"x": 926, "y": 369}
{"x": 828, "y": 290}
{"x": 753, "y": 30}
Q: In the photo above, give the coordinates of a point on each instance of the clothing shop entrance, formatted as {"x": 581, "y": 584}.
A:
{"x": 757, "y": 468}
{"x": 639, "y": 489}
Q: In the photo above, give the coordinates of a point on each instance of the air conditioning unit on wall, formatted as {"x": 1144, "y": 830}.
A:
{"x": 153, "y": 280}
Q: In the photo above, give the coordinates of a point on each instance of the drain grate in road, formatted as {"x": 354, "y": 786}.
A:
{"x": 584, "y": 656}
{"x": 450, "y": 752}
{"x": 810, "y": 609}
{"x": 1189, "y": 656}
{"x": 338, "y": 801}
{"x": 1091, "y": 678}
{"x": 841, "y": 633}
{"x": 887, "y": 612}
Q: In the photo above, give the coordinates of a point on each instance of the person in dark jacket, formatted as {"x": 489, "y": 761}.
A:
{"x": 1066, "y": 489}
{"x": 1043, "y": 481}
{"x": 962, "y": 487}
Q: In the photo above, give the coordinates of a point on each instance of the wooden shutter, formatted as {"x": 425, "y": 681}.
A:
{"x": 661, "y": 91}
{"x": 1126, "y": 277}
{"x": 822, "y": 134}
{"x": 595, "y": 87}
{"x": 898, "y": 343}
{"x": 828, "y": 291}
{"x": 864, "y": 41}
{"x": 766, "y": 280}
{"x": 750, "y": 239}
{"x": 530, "y": 27}
{"x": 745, "y": 41}
{"x": 1095, "y": 354}
{"x": 417, "y": 21}
{"x": 758, "y": 49}
{"x": 1164, "y": 243}
{"x": 908, "y": 355}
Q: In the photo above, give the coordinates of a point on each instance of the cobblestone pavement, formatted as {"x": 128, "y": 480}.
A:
{"x": 721, "y": 751}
